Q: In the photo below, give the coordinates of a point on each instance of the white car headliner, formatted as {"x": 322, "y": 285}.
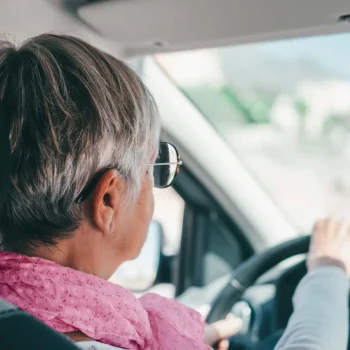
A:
{"x": 136, "y": 27}
{"x": 158, "y": 25}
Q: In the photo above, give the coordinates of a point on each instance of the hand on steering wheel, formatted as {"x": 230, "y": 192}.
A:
{"x": 330, "y": 246}
{"x": 220, "y": 331}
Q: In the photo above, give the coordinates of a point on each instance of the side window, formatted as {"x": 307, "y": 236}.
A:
{"x": 212, "y": 245}
{"x": 224, "y": 252}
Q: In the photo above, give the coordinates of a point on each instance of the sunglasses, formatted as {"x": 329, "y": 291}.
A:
{"x": 165, "y": 169}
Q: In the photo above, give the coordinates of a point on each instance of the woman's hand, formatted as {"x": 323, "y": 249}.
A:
{"x": 330, "y": 244}
{"x": 220, "y": 331}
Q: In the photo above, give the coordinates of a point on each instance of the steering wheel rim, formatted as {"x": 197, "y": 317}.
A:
{"x": 249, "y": 271}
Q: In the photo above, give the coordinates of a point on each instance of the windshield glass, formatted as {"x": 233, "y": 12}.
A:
{"x": 284, "y": 107}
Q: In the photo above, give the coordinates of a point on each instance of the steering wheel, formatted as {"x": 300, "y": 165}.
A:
{"x": 249, "y": 271}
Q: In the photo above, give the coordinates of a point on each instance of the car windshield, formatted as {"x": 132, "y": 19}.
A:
{"x": 284, "y": 107}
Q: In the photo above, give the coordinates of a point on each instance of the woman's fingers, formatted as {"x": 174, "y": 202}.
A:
{"x": 223, "y": 329}
{"x": 330, "y": 244}
{"x": 223, "y": 345}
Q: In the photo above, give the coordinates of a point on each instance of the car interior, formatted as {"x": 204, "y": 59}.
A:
{"x": 238, "y": 85}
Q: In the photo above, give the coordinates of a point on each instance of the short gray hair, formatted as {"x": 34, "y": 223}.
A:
{"x": 73, "y": 111}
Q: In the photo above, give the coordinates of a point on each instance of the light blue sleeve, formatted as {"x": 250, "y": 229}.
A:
{"x": 320, "y": 320}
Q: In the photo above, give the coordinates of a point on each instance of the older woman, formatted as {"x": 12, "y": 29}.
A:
{"x": 81, "y": 154}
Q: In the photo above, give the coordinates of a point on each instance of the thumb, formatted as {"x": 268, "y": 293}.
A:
{"x": 224, "y": 345}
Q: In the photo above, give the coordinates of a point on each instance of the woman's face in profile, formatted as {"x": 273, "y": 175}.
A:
{"x": 138, "y": 217}
{"x": 133, "y": 219}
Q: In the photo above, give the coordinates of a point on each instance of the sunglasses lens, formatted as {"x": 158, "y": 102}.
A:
{"x": 164, "y": 174}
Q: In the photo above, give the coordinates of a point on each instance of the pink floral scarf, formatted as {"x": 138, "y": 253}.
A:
{"x": 68, "y": 300}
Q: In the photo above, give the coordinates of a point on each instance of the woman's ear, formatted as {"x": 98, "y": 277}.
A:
{"x": 106, "y": 200}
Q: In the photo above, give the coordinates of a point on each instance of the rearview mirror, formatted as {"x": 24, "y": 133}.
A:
{"x": 140, "y": 274}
